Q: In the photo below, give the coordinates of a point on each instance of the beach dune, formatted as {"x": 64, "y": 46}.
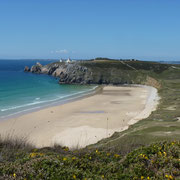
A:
{"x": 84, "y": 121}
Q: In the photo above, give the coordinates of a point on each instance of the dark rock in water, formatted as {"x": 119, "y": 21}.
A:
{"x": 38, "y": 64}
{"x": 36, "y": 68}
{"x": 26, "y": 69}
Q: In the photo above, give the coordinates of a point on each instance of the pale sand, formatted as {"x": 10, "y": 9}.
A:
{"x": 85, "y": 121}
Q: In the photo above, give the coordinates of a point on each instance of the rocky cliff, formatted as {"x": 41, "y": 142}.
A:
{"x": 69, "y": 73}
{"x": 100, "y": 72}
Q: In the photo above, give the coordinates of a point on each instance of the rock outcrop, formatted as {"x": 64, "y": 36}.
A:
{"x": 68, "y": 73}
{"x": 27, "y": 69}
{"x": 36, "y": 68}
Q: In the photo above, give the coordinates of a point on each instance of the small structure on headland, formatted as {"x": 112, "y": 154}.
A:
{"x": 68, "y": 60}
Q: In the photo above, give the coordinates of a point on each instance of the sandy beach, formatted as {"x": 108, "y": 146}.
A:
{"x": 84, "y": 121}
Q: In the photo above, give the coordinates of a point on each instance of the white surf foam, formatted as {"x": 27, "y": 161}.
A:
{"x": 45, "y": 103}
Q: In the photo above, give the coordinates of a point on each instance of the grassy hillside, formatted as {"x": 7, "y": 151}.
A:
{"x": 120, "y": 72}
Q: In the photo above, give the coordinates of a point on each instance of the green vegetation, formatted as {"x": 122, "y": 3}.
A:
{"x": 158, "y": 161}
{"x": 126, "y": 65}
{"x": 120, "y": 72}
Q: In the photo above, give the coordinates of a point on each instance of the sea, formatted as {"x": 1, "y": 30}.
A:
{"x": 22, "y": 92}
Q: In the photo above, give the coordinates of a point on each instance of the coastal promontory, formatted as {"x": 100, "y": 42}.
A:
{"x": 102, "y": 71}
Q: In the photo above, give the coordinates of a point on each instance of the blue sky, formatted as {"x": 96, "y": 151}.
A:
{"x": 142, "y": 29}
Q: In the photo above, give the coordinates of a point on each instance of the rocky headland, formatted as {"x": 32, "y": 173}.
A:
{"x": 69, "y": 73}
{"x": 102, "y": 72}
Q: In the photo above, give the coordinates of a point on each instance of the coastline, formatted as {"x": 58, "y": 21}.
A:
{"x": 150, "y": 106}
{"x": 53, "y": 103}
{"x": 86, "y": 120}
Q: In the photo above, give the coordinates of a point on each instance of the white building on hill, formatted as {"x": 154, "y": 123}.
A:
{"x": 68, "y": 60}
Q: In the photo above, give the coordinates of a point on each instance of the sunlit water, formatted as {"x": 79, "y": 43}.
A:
{"x": 22, "y": 92}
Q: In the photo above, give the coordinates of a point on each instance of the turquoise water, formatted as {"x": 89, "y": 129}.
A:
{"x": 22, "y": 92}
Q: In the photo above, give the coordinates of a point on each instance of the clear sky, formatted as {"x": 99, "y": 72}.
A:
{"x": 142, "y": 29}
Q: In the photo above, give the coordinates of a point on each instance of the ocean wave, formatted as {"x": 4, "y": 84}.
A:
{"x": 21, "y": 106}
{"x": 12, "y": 114}
{"x": 65, "y": 97}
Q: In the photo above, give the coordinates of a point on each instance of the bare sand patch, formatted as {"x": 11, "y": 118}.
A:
{"x": 170, "y": 108}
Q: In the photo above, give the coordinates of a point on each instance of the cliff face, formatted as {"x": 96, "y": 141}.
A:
{"x": 68, "y": 73}
{"x": 100, "y": 72}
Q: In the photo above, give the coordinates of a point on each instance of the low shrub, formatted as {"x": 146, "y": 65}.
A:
{"x": 157, "y": 161}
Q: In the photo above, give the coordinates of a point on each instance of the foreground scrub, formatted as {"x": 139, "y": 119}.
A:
{"x": 157, "y": 161}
